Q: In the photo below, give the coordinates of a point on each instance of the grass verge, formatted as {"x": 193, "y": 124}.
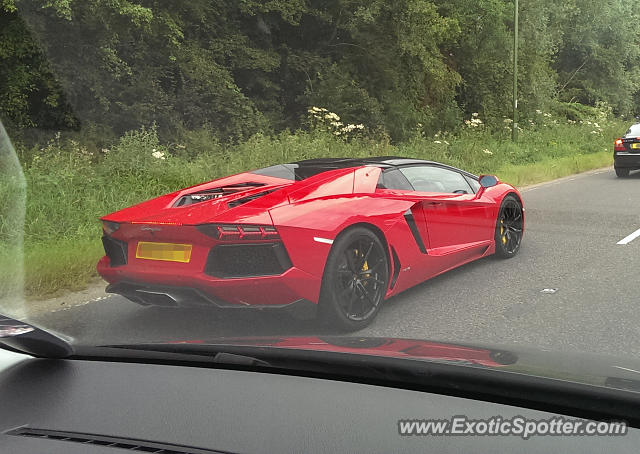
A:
{"x": 552, "y": 168}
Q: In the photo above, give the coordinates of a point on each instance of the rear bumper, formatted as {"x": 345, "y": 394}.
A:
{"x": 625, "y": 159}
{"x": 276, "y": 291}
{"x": 178, "y": 297}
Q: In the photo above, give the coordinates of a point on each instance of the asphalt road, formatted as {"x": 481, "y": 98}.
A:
{"x": 573, "y": 227}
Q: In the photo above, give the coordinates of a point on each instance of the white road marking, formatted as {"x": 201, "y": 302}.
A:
{"x": 629, "y": 238}
{"x": 322, "y": 240}
{"x": 627, "y": 369}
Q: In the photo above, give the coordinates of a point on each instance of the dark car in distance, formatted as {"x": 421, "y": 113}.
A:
{"x": 626, "y": 151}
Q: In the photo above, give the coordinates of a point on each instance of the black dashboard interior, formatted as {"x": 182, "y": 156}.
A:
{"x": 76, "y": 406}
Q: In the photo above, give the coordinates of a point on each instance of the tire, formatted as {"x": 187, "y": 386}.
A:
{"x": 508, "y": 235}
{"x": 621, "y": 172}
{"x": 355, "y": 280}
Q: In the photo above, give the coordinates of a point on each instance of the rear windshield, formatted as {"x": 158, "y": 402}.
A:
{"x": 296, "y": 172}
{"x": 284, "y": 171}
{"x": 634, "y": 130}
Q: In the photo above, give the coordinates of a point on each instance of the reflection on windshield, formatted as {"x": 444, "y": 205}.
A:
{"x": 12, "y": 212}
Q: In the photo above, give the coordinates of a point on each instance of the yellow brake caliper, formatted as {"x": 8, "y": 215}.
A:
{"x": 502, "y": 232}
{"x": 365, "y": 265}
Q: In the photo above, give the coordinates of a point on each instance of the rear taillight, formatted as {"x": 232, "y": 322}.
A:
{"x": 618, "y": 145}
{"x": 239, "y": 232}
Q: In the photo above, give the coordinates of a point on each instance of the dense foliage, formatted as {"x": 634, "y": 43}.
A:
{"x": 238, "y": 67}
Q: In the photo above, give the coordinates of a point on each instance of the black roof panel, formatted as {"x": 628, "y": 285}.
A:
{"x": 301, "y": 170}
{"x": 383, "y": 161}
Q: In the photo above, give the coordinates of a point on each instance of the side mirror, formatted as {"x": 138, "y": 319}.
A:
{"x": 488, "y": 181}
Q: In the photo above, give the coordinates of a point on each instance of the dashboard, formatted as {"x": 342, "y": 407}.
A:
{"x": 80, "y": 406}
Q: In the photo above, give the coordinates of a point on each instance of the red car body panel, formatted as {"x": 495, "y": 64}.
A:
{"x": 308, "y": 215}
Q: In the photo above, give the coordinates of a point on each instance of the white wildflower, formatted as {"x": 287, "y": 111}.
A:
{"x": 538, "y": 111}
{"x": 436, "y": 141}
{"x": 474, "y": 115}
{"x": 508, "y": 120}
{"x": 474, "y": 122}
{"x": 158, "y": 154}
{"x": 487, "y": 151}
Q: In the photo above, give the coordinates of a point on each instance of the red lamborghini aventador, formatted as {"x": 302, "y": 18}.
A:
{"x": 337, "y": 236}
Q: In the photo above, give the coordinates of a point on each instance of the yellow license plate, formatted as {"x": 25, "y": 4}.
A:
{"x": 168, "y": 252}
{"x": 635, "y": 145}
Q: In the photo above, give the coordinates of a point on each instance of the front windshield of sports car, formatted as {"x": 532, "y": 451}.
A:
{"x": 342, "y": 175}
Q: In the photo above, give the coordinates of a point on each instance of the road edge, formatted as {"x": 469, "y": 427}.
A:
{"x": 565, "y": 178}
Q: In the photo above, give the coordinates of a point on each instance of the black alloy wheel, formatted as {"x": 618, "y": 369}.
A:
{"x": 508, "y": 234}
{"x": 355, "y": 280}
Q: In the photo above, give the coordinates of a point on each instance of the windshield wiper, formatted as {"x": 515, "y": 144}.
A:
{"x": 240, "y": 360}
{"x": 20, "y": 337}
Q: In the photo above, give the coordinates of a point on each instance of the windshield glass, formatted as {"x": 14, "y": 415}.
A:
{"x": 419, "y": 177}
{"x": 634, "y": 130}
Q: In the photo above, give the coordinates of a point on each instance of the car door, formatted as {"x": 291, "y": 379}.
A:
{"x": 457, "y": 220}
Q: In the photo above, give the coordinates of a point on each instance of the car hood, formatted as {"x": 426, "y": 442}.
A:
{"x": 242, "y": 197}
{"x": 241, "y": 194}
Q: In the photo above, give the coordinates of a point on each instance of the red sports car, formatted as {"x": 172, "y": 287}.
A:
{"x": 337, "y": 236}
